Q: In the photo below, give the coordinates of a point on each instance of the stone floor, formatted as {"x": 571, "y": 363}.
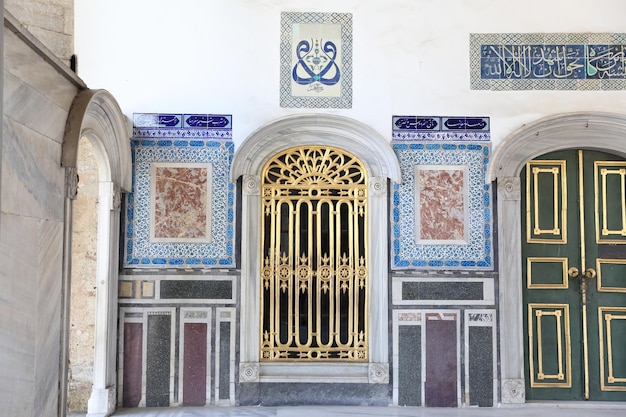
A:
{"x": 527, "y": 410}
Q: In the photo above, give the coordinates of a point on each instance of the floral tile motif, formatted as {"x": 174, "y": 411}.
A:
{"x": 442, "y": 209}
{"x": 180, "y": 212}
{"x": 316, "y": 60}
{"x": 548, "y": 61}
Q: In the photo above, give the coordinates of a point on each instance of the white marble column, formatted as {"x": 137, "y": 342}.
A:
{"x": 102, "y": 400}
{"x": 509, "y": 250}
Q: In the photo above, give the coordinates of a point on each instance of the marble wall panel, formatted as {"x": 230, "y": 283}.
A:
{"x": 49, "y": 269}
{"x": 18, "y": 313}
{"x": 32, "y": 178}
{"x": 441, "y": 384}
{"x": 131, "y": 366}
{"x": 25, "y": 64}
{"x": 195, "y": 364}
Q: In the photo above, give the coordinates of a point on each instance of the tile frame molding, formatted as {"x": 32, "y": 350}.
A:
{"x": 381, "y": 164}
{"x": 582, "y": 130}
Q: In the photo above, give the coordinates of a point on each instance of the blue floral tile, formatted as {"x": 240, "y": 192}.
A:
{"x": 180, "y": 139}
{"x": 475, "y": 250}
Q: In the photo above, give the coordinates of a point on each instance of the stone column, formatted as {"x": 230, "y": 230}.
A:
{"x": 103, "y": 395}
{"x": 511, "y": 324}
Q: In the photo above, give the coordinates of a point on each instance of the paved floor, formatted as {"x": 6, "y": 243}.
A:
{"x": 527, "y": 410}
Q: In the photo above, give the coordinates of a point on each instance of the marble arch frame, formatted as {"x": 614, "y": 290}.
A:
{"x": 580, "y": 130}
{"x": 381, "y": 164}
{"x": 95, "y": 114}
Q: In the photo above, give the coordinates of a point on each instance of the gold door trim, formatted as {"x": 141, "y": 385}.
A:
{"x": 556, "y": 232}
{"x": 538, "y": 378}
{"x": 607, "y": 374}
{"x": 602, "y": 171}
{"x": 314, "y": 269}
{"x": 601, "y": 262}
{"x": 563, "y": 262}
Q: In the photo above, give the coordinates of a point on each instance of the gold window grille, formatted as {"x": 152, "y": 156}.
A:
{"x": 314, "y": 260}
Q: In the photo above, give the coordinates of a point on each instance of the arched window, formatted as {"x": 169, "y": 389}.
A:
{"x": 314, "y": 256}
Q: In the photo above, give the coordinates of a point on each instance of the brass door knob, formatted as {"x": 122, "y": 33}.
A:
{"x": 573, "y": 272}
{"x": 590, "y": 273}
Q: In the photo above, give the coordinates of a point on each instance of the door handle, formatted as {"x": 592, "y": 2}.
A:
{"x": 590, "y": 273}
{"x": 573, "y": 272}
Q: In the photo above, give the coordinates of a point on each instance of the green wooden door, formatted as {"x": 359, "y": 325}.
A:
{"x": 574, "y": 274}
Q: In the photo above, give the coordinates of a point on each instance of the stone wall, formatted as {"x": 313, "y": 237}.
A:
{"x": 83, "y": 287}
{"x": 51, "y": 22}
{"x": 37, "y": 99}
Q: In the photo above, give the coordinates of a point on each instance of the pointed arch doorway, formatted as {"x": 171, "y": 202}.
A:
{"x": 315, "y": 136}
{"x": 585, "y": 131}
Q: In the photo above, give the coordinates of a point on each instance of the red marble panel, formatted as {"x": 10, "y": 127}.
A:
{"x": 131, "y": 395}
{"x": 195, "y": 364}
{"x": 180, "y": 202}
{"x": 442, "y": 204}
{"x": 440, "y": 385}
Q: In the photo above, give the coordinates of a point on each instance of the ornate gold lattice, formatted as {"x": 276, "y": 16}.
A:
{"x": 314, "y": 262}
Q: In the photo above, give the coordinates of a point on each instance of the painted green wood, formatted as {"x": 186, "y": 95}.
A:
{"x": 558, "y": 299}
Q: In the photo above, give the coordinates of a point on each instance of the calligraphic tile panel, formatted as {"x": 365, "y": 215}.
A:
{"x": 316, "y": 60}
{"x": 181, "y": 165}
{"x": 438, "y": 128}
{"x": 473, "y": 250}
{"x": 551, "y": 61}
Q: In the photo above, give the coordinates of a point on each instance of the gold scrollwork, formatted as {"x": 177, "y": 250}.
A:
{"x": 314, "y": 273}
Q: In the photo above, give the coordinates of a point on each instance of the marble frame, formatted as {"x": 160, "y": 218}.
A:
{"x": 381, "y": 164}
{"x": 582, "y": 130}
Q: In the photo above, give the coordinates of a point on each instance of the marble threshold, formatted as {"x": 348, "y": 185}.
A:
{"x": 535, "y": 409}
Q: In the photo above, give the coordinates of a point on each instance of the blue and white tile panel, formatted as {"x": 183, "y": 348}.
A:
{"x": 474, "y": 254}
{"x": 181, "y": 138}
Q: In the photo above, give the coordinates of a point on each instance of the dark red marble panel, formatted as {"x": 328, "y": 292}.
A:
{"x": 195, "y": 364}
{"x": 131, "y": 395}
{"x": 440, "y": 387}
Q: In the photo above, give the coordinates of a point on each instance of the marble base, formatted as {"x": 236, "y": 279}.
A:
{"x": 285, "y": 394}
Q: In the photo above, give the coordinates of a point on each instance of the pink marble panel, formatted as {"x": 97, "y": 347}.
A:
{"x": 180, "y": 202}
{"x": 441, "y": 204}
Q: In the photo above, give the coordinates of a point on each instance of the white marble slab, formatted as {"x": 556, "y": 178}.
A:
{"x": 529, "y": 410}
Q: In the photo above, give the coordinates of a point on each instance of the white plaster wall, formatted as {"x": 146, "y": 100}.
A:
{"x": 410, "y": 57}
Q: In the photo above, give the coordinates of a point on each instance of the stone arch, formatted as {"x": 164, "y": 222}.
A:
{"x": 95, "y": 114}
{"x": 581, "y": 130}
{"x": 381, "y": 163}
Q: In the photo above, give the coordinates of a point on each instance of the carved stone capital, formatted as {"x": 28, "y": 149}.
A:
{"x": 249, "y": 372}
{"x": 378, "y": 186}
{"x": 513, "y": 391}
{"x": 509, "y": 189}
{"x": 251, "y": 185}
{"x": 116, "y": 200}
{"x": 71, "y": 183}
{"x": 378, "y": 373}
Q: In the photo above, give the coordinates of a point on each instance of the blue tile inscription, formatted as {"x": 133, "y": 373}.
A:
{"x": 559, "y": 61}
